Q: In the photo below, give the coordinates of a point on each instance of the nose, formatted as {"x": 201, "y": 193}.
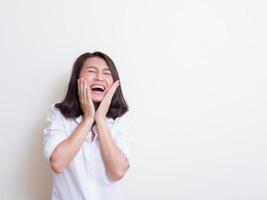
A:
{"x": 99, "y": 77}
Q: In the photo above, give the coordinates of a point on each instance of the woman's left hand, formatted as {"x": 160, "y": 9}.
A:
{"x": 105, "y": 103}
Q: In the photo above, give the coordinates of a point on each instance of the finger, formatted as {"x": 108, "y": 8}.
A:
{"x": 87, "y": 92}
{"x": 112, "y": 90}
{"x": 82, "y": 90}
{"x": 88, "y": 97}
{"x": 79, "y": 88}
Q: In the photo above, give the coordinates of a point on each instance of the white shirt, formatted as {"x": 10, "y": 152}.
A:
{"x": 85, "y": 177}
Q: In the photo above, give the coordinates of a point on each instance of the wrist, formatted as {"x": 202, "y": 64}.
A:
{"x": 88, "y": 119}
{"x": 100, "y": 119}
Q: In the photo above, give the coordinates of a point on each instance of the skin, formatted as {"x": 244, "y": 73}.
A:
{"x": 94, "y": 71}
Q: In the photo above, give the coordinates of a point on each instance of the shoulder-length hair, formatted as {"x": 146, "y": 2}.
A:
{"x": 70, "y": 106}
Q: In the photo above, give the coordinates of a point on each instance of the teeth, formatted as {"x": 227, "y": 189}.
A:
{"x": 98, "y": 86}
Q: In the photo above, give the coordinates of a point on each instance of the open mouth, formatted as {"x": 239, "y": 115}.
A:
{"x": 98, "y": 88}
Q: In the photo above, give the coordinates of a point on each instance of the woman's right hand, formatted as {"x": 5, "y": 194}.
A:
{"x": 85, "y": 99}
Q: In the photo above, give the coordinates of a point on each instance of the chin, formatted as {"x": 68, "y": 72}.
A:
{"x": 97, "y": 99}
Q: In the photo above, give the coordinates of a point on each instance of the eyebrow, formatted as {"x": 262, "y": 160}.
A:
{"x": 107, "y": 69}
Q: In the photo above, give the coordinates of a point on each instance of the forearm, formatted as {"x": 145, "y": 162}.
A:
{"x": 67, "y": 149}
{"x": 113, "y": 157}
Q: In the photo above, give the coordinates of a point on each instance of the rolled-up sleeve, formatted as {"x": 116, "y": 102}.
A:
{"x": 124, "y": 136}
{"x": 54, "y": 133}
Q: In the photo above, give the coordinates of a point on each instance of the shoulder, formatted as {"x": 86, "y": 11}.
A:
{"x": 124, "y": 122}
{"x": 125, "y": 118}
{"x": 54, "y": 112}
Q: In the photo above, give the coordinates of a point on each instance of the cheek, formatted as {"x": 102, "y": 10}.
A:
{"x": 110, "y": 82}
{"x": 88, "y": 81}
{"x": 87, "y": 77}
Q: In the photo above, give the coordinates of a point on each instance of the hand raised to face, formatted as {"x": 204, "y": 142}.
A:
{"x": 105, "y": 103}
{"x": 85, "y": 99}
{"x": 87, "y": 104}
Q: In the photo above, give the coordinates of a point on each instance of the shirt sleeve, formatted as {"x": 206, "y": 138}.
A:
{"x": 124, "y": 136}
{"x": 54, "y": 133}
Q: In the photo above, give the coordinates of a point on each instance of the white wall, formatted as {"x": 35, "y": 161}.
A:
{"x": 194, "y": 74}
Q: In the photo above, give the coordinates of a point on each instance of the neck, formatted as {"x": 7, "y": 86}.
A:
{"x": 96, "y": 104}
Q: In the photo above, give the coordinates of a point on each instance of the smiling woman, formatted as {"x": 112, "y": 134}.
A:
{"x": 92, "y": 67}
{"x": 98, "y": 77}
{"x": 88, "y": 141}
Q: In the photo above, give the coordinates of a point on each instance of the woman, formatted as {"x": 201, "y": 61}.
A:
{"x": 88, "y": 140}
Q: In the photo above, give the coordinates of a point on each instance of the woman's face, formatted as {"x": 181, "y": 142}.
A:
{"x": 97, "y": 76}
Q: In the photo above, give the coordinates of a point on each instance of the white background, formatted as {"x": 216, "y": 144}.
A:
{"x": 193, "y": 72}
